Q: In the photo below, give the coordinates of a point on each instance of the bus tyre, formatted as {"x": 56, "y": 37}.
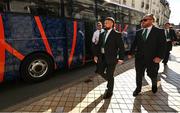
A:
{"x": 36, "y": 67}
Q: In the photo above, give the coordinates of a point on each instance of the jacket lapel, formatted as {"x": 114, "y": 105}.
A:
{"x": 151, "y": 32}
{"x": 109, "y": 36}
{"x": 140, "y": 34}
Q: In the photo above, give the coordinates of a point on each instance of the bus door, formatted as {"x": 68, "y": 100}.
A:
{"x": 89, "y": 30}
{"x": 75, "y": 43}
{"x": 6, "y": 42}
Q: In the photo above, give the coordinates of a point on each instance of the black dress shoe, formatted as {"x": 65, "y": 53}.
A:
{"x": 88, "y": 80}
{"x": 154, "y": 89}
{"x": 107, "y": 94}
{"x": 136, "y": 92}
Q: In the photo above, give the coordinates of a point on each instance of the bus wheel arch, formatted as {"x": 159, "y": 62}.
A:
{"x": 36, "y": 67}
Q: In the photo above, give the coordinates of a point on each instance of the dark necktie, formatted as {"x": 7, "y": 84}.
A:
{"x": 99, "y": 33}
{"x": 104, "y": 39}
{"x": 145, "y": 34}
{"x": 167, "y": 34}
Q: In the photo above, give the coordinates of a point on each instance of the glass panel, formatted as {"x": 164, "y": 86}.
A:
{"x": 3, "y": 6}
{"x": 106, "y": 9}
{"x": 68, "y": 8}
{"x": 135, "y": 17}
{"x": 83, "y": 9}
{"x": 20, "y": 6}
{"x": 36, "y": 7}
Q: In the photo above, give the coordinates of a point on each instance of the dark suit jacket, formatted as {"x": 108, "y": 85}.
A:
{"x": 154, "y": 46}
{"x": 113, "y": 47}
{"x": 173, "y": 37}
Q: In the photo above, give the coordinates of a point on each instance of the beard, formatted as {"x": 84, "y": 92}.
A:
{"x": 107, "y": 28}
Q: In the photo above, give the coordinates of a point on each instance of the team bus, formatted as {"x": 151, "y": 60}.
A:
{"x": 38, "y": 36}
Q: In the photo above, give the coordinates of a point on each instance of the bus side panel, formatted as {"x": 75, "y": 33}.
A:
{"x": 10, "y": 61}
{"x": 55, "y": 30}
{"x": 76, "y": 43}
{"x": 11, "y": 73}
{"x": 21, "y": 34}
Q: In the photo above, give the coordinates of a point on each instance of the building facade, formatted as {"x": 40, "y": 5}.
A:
{"x": 160, "y": 8}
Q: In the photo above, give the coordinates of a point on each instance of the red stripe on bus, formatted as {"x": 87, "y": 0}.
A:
{"x": 73, "y": 43}
{"x": 125, "y": 28}
{"x": 43, "y": 34}
{"x": 13, "y": 51}
{"x": 2, "y": 50}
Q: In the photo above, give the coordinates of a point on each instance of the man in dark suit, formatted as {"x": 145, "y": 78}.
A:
{"x": 110, "y": 45}
{"x": 149, "y": 48}
{"x": 170, "y": 39}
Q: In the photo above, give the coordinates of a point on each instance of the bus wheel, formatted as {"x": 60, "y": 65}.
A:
{"x": 36, "y": 67}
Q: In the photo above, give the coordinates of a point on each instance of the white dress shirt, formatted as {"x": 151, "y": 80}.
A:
{"x": 148, "y": 31}
{"x": 107, "y": 34}
{"x": 167, "y": 30}
{"x": 95, "y": 38}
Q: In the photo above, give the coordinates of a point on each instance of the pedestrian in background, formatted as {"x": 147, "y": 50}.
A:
{"x": 149, "y": 49}
{"x": 170, "y": 40}
{"x": 110, "y": 45}
{"x": 95, "y": 38}
{"x": 96, "y": 34}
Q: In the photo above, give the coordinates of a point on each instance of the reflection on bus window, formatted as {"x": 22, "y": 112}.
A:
{"x": 105, "y": 9}
{"x": 84, "y": 9}
{"x": 3, "y": 6}
{"x": 19, "y": 6}
{"x": 36, "y": 7}
{"x": 67, "y": 6}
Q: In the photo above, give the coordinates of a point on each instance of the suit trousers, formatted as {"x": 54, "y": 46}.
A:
{"x": 106, "y": 71}
{"x": 167, "y": 53}
{"x": 151, "y": 69}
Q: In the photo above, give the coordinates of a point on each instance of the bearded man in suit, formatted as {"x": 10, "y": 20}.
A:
{"x": 109, "y": 52}
{"x": 149, "y": 48}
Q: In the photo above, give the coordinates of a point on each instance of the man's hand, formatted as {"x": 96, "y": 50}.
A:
{"x": 174, "y": 43}
{"x": 95, "y": 59}
{"x": 129, "y": 56}
{"x": 120, "y": 61}
{"x": 157, "y": 60}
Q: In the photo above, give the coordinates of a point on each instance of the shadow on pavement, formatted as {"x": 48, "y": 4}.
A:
{"x": 147, "y": 101}
{"x": 102, "y": 109}
{"x": 94, "y": 85}
{"x": 171, "y": 77}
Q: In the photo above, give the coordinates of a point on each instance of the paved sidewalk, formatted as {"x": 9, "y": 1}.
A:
{"x": 87, "y": 97}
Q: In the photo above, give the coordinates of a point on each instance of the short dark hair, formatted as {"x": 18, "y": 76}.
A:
{"x": 151, "y": 16}
{"x": 167, "y": 23}
{"x": 111, "y": 19}
{"x": 99, "y": 23}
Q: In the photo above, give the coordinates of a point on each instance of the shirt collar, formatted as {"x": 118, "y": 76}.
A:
{"x": 109, "y": 30}
{"x": 149, "y": 28}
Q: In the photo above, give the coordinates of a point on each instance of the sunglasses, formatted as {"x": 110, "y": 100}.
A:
{"x": 144, "y": 20}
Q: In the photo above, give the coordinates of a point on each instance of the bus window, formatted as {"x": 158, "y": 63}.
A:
{"x": 19, "y": 6}
{"x": 119, "y": 16}
{"x": 105, "y": 9}
{"x": 84, "y": 9}
{"x": 3, "y": 6}
{"x": 45, "y": 7}
{"x": 67, "y": 8}
{"x": 38, "y": 7}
